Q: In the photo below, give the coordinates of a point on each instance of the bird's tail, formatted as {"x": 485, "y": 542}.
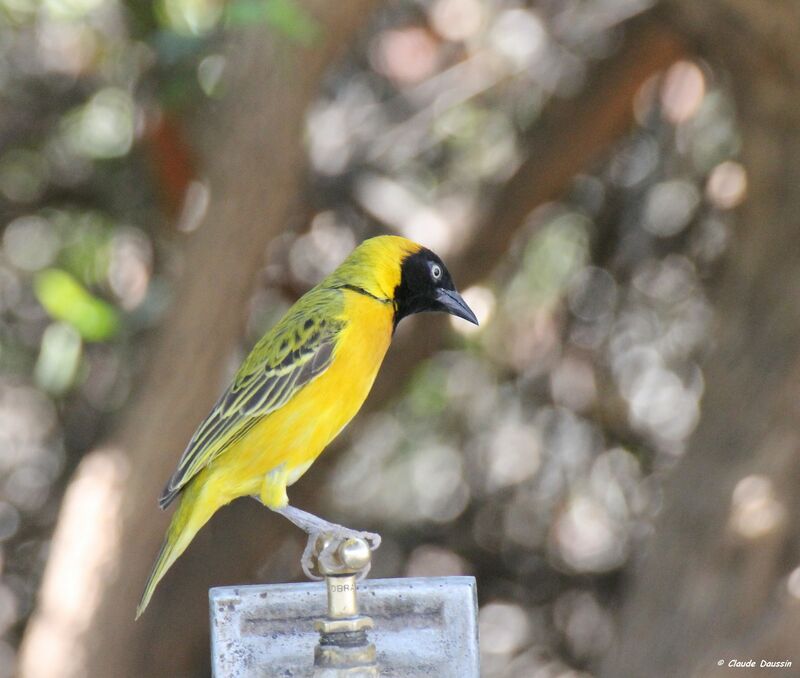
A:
{"x": 192, "y": 513}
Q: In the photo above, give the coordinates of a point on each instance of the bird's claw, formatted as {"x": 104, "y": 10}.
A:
{"x": 308, "y": 561}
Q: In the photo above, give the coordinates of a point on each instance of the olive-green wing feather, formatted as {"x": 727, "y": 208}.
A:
{"x": 292, "y": 354}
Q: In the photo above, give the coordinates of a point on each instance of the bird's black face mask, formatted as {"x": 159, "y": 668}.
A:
{"x": 426, "y": 285}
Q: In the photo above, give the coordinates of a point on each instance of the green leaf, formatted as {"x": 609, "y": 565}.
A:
{"x": 283, "y": 15}
{"x": 64, "y": 298}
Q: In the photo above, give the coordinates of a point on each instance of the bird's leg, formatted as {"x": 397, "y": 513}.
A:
{"x": 312, "y": 524}
{"x": 324, "y": 538}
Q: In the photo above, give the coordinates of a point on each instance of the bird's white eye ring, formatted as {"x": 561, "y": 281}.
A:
{"x": 436, "y": 271}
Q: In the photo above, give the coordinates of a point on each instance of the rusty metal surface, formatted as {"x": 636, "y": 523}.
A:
{"x": 423, "y": 627}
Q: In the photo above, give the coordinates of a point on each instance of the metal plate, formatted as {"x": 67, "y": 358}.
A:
{"x": 424, "y": 626}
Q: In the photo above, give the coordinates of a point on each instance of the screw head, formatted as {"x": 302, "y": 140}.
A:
{"x": 354, "y": 553}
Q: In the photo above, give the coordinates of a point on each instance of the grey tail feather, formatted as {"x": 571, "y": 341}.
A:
{"x": 168, "y": 495}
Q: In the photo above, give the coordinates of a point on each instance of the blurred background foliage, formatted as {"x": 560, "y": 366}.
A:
{"x": 529, "y": 452}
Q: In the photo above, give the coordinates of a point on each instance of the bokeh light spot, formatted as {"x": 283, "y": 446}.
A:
{"x": 682, "y": 91}
{"x": 457, "y": 19}
{"x": 103, "y": 128}
{"x": 30, "y": 243}
{"x": 190, "y": 17}
{"x": 210, "y": 73}
{"x": 482, "y": 302}
{"x": 669, "y": 206}
{"x": 59, "y": 358}
{"x": 504, "y": 628}
{"x": 430, "y": 560}
{"x": 23, "y": 175}
{"x": 406, "y": 55}
{"x": 727, "y": 185}
{"x": 518, "y": 34}
{"x": 793, "y": 583}
{"x": 755, "y": 510}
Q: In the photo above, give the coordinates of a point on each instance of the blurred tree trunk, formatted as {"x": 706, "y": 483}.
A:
{"x": 713, "y": 584}
{"x": 109, "y": 529}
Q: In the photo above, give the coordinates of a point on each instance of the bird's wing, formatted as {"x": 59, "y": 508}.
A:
{"x": 296, "y": 351}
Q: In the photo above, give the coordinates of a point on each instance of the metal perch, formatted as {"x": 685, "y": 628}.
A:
{"x": 343, "y": 650}
{"x": 425, "y": 627}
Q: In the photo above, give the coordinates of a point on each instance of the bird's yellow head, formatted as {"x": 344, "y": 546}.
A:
{"x": 399, "y": 270}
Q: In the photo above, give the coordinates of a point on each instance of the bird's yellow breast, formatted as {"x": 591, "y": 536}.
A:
{"x": 283, "y": 445}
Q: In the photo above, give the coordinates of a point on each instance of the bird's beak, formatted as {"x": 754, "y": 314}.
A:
{"x": 455, "y": 305}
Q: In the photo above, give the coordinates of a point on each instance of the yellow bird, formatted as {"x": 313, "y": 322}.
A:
{"x": 299, "y": 387}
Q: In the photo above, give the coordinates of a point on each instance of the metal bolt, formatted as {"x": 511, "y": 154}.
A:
{"x": 355, "y": 554}
{"x": 343, "y": 650}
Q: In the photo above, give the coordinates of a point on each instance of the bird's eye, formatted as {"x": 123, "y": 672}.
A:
{"x": 436, "y": 272}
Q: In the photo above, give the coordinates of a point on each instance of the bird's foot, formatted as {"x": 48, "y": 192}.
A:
{"x": 332, "y": 548}
{"x": 338, "y": 551}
